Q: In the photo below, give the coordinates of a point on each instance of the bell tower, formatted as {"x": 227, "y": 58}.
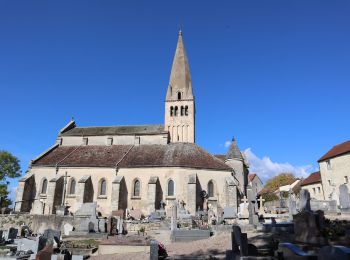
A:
{"x": 179, "y": 101}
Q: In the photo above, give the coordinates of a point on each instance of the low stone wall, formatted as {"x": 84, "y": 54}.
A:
{"x": 15, "y": 220}
{"x": 134, "y": 227}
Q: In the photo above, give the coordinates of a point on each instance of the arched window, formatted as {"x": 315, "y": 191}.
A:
{"x": 179, "y": 95}
{"x": 186, "y": 110}
{"x": 170, "y": 188}
{"x": 210, "y": 189}
{"x": 137, "y": 188}
{"x": 176, "y": 109}
{"x": 72, "y": 187}
{"x": 182, "y": 111}
{"x": 44, "y": 186}
{"x": 171, "y": 111}
{"x": 103, "y": 186}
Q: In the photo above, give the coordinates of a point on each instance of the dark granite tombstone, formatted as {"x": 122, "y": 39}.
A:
{"x": 12, "y": 233}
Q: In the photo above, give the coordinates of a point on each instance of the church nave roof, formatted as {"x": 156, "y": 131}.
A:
{"x": 127, "y": 156}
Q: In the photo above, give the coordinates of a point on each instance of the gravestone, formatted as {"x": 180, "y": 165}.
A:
{"x": 12, "y": 233}
{"x": 240, "y": 247}
{"x": 304, "y": 203}
{"x": 244, "y": 213}
{"x": 230, "y": 213}
{"x": 174, "y": 216}
{"x": 154, "y": 250}
{"x": 46, "y": 252}
{"x": 85, "y": 216}
{"x": 344, "y": 199}
{"x": 1, "y": 236}
{"x": 334, "y": 253}
{"x": 134, "y": 214}
{"x": 308, "y": 227}
{"x": 118, "y": 213}
{"x": 67, "y": 228}
{"x": 154, "y": 216}
{"x": 25, "y": 231}
{"x": 292, "y": 205}
{"x": 261, "y": 206}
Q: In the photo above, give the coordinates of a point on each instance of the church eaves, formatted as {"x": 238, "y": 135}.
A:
{"x": 233, "y": 151}
{"x": 180, "y": 77}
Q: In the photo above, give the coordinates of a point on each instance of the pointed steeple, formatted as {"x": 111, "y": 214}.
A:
{"x": 233, "y": 151}
{"x": 180, "y": 77}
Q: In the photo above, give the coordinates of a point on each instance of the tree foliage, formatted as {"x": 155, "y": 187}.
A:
{"x": 270, "y": 196}
{"x": 280, "y": 180}
{"x": 9, "y": 168}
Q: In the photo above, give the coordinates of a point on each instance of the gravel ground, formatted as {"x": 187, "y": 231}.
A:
{"x": 214, "y": 246}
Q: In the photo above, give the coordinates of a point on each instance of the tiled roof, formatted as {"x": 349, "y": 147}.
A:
{"x": 313, "y": 178}
{"x": 336, "y": 150}
{"x": 127, "y": 156}
{"x": 221, "y": 157}
{"x": 114, "y": 130}
{"x": 251, "y": 176}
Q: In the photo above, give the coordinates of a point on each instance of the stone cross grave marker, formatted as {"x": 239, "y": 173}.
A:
{"x": 244, "y": 209}
{"x": 344, "y": 199}
{"x": 261, "y": 206}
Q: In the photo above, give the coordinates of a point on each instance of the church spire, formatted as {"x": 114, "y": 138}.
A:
{"x": 180, "y": 77}
{"x": 233, "y": 151}
{"x": 179, "y": 102}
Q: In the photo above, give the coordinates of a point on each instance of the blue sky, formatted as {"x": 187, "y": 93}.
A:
{"x": 274, "y": 74}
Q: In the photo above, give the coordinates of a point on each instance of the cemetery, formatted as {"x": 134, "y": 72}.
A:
{"x": 301, "y": 231}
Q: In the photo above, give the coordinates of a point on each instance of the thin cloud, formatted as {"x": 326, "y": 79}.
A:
{"x": 266, "y": 168}
{"x": 227, "y": 144}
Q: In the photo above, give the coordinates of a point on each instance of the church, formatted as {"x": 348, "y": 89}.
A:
{"x": 141, "y": 167}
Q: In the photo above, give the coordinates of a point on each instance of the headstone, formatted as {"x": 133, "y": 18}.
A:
{"x": 230, "y": 213}
{"x": 292, "y": 206}
{"x": 333, "y": 206}
{"x": 135, "y": 214}
{"x": 25, "y": 231}
{"x": 91, "y": 227}
{"x": 77, "y": 257}
{"x": 334, "y": 253}
{"x": 67, "y": 228}
{"x": 261, "y": 206}
{"x": 304, "y": 200}
{"x": 344, "y": 198}
{"x": 308, "y": 227}
{"x": 1, "y": 235}
{"x": 12, "y": 233}
{"x": 154, "y": 250}
{"x": 174, "y": 216}
{"x": 118, "y": 213}
{"x": 244, "y": 213}
{"x": 154, "y": 216}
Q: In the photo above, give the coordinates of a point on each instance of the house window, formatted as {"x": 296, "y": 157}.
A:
{"x": 182, "y": 111}
{"x": 85, "y": 141}
{"x": 170, "y": 188}
{"x": 137, "y": 185}
{"x": 314, "y": 190}
{"x": 179, "y": 95}
{"x": 72, "y": 187}
{"x": 44, "y": 186}
{"x": 319, "y": 189}
{"x": 171, "y": 111}
{"x": 329, "y": 182}
{"x": 210, "y": 189}
{"x": 346, "y": 179}
{"x": 329, "y": 166}
{"x": 103, "y": 186}
{"x": 110, "y": 141}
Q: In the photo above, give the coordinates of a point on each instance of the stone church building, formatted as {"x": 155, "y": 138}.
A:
{"x": 136, "y": 167}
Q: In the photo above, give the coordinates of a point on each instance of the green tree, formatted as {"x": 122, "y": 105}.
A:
{"x": 9, "y": 168}
{"x": 280, "y": 180}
